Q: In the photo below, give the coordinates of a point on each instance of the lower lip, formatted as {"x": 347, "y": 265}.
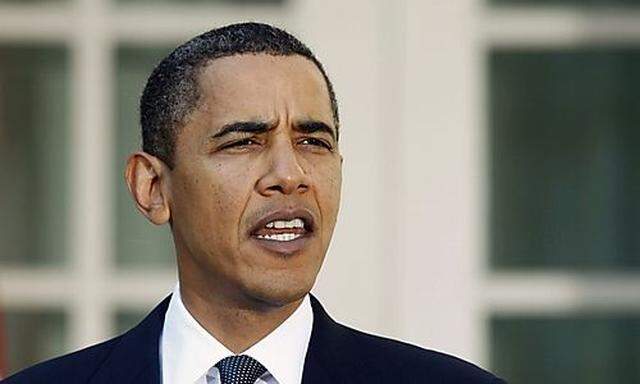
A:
{"x": 283, "y": 247}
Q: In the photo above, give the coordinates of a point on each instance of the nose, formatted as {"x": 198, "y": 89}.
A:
{"x": 285, "y": 174}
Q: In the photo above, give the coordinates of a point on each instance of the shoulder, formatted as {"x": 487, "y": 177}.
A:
{"x": 396, "y": 361}
{"x": 121, "y": 359}
{"x": 363, "y": 357}
{"x": 76, "y": 367}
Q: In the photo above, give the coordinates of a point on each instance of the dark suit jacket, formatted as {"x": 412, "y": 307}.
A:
{"x": 336, "y": 354}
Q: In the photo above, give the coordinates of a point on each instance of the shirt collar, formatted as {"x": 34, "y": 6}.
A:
{"x": 188, "y": 351}
{"x": 283, "y": 351}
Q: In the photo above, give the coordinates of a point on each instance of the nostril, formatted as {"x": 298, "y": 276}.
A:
{"x": 288, "y": 188}
{"x": 274, "y": 183}
{"x": 276, "y": 188}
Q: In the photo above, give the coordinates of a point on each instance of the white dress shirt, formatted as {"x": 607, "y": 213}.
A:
{"x": 188, "y": 352}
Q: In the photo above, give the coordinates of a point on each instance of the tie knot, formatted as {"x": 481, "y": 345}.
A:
{"x": 240, "y": 369}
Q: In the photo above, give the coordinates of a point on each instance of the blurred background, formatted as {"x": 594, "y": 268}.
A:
{"x": 491, "y": 196}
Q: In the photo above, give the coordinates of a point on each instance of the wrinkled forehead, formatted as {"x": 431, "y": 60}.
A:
{"x": 262, "y": 85}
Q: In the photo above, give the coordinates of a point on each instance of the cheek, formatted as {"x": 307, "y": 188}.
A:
{"x": 333, "y": 175}
{"x": 328, "y": 180}
{"x": 212, "y": 198}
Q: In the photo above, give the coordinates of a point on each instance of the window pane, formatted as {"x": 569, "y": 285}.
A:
{"x": 138, "y": 242}
{"x": 34, "y": 336}
{"x": 127, "y": 319}
{"x": 586, "y": 3}
{"x": 34, "y": 147}
{"x": 593, "y": 349}
{"x": 565, "y": 159}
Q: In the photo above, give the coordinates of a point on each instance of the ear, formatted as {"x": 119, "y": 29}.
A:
{"x": 147, "y": 178}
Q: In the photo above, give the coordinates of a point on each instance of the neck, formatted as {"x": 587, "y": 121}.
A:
{"x": 237, "y": 323}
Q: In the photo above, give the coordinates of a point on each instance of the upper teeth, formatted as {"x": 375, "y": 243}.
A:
{"x": 295, "y": 223}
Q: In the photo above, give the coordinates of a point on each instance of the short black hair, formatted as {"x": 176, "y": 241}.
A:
{"x": 172, "y": 91}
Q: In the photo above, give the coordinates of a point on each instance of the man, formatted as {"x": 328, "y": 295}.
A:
{"x": 240, "y": 156}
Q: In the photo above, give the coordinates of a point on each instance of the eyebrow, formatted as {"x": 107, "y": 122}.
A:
{"x": 244, "y": 127}
{"x": 257, "y": 127}
{"x": 311, "y": 126}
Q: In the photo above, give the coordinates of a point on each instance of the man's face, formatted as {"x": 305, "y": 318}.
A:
{"x": 259, "y": 154}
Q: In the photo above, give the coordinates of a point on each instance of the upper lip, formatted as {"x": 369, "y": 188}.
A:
{"x": 286, "y": 215}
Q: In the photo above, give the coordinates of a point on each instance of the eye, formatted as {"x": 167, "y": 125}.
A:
{"x": 240, "y": 144}
{"x": 316, "y": 142}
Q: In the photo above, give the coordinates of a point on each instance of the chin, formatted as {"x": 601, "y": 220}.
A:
{"x": 279, "y": 291}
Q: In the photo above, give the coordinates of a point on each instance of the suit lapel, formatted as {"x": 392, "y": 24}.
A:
{"x": 327, "y": 355}
{"x": 135, "y": 355}
{"x": 315, "y": 371}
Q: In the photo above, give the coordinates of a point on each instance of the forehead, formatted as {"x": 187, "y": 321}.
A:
{"x": 261, "y": 85}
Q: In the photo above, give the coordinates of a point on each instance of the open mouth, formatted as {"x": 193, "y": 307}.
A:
{"x": 284, "y": 231}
